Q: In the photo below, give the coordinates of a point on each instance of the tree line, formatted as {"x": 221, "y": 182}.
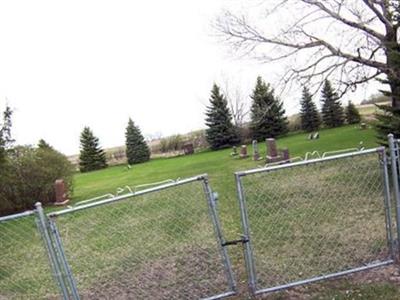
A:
{"x": 267, "y": 115}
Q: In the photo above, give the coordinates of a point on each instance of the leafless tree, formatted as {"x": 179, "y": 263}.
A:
{"x": 353, "y": 41}
{"x": 236, "y": 101}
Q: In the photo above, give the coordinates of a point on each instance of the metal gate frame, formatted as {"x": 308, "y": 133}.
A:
{"x": 248, "y": 249}
{"x": 210, "y": 197}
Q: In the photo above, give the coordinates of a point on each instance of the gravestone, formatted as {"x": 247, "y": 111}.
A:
{"x": 234, "y": 151}
{"x": 272, "y": 150}
{"x": 285, "y": 154}
{"x": 316, "y": 136}
{"x": 243, "y": 152}
{"x": 188, "y": 148}
{"x": 61, "y": 191}
{"x": 256, "y": 153}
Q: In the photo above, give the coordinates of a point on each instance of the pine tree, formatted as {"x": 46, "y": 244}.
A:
{"x": 92, "y": 157}
{"x": 220, "y": 132}
{"x": 352, "y": 114}
{"x": 332, "y": 110}
{"x": 268, "y": 118}
{"x": 137, "y": 150}
{"x": 310, "y": 119}
{"x": 388, "y": 116}
{"x": 42, "y": 144}
{"x": 6, "y": 140}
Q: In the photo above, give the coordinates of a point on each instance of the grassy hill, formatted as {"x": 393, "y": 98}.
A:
{"x": 218, "y": 164}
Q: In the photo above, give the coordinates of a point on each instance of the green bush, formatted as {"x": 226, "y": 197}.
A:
{"x": 28, "y": 176}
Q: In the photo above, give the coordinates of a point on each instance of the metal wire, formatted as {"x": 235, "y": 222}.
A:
{"x": 25, "y": 271}
{"x": 161, "y": 244}
{"x": 312, "y": 220}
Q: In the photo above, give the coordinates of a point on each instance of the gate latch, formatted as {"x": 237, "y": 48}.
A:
{"x": 243, "y": 240}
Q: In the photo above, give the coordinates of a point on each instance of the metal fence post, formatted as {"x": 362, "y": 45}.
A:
{"x": 63, "y": 260}
{"x": 251, "y": 273}
{"x": 43, "y": 229}
{"x": 393, "y": 148}
{"x": 386, "y": 195}
{"x": 218, "y": 233}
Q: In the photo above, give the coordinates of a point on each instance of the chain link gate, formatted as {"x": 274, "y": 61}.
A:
{"x": 160, "y": 243}
{"x": 314, "y": 220}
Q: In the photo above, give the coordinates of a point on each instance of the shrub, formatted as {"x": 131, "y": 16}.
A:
{"x": 28, "y": 176}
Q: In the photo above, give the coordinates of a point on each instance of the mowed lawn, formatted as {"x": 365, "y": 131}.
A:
{"x": 219, "y": 165}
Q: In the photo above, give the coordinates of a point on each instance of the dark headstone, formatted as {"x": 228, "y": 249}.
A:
{"x": 285, "y": 154}
{"x": 188, "y": 148}
{"x": 61, "y": 191}
{"x": 272, "y": 150}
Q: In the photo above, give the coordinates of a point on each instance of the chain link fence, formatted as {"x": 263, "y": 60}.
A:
{"x": 302, "y": 222}
{"x": 313, "y": 220}
{"x": 162, "y": 243}
{"x": 25, "y": 272}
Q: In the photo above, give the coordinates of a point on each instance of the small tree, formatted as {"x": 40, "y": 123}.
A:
{"x": 42, "y": 144}
{"x": 332, "y": 110}
{"x": 267, "y": 113}
{"x": 310, "y": 120}
{"x": 220, "y": 132}
{"x": 6, "y": 140}
{"x": 352, "y": 114}
{"x": 137, "y": 150}
{"x": 92, "y": 157}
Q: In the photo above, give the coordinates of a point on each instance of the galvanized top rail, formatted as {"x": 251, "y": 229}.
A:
{"x": 312, "y": 161}
{"x": 125, "y": 196}
{"x": 17, "y": 216}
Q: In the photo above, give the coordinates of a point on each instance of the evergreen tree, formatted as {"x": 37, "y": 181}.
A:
{"x": 137, "y": 150}
{"x": 352, "y": 114}
{"x": 92, "y": 157}
{"x": 6, "y": 140}
{"x": 42, "y": 144}
{"x": 268, "y": 118}
{"x": 332, "y": 110}
{"x": 310, "y": 120}
{"x": 388, "y": 116}
{"x": 220, "y": 132}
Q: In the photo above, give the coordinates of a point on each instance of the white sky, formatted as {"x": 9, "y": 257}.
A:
{"x": 69, "y": 64}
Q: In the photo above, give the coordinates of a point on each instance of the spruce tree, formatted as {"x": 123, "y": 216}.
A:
{"x": 6, "y": 140}
{"x": 92, "y": 157}
{"x": 137, "y": 150}
{"x": 310, "y": 119}
{"x": 42, "y": 144}
{"x": 220, "y": 132}
{"x": 352, "y": 114}
{"x": 268, "y": 118}
{"x": 388, "y": 116}
{"x": 332, "y": 110}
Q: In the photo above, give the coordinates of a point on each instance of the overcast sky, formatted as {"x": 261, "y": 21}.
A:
{"x": 69, "y": 64}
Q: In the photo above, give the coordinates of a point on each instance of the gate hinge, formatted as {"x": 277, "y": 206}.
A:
{"x": 243, "y": 240}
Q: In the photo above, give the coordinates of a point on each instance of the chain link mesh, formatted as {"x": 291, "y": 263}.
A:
{"x": 25, "y": 272}
{"x": 159, "y": 245}
{"x": 316, "y": 219}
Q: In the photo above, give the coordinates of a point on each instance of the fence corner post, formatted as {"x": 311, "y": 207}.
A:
{"x": 393, "y": 150}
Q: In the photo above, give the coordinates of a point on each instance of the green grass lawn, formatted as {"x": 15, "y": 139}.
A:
{"x": 146, "y": 242}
